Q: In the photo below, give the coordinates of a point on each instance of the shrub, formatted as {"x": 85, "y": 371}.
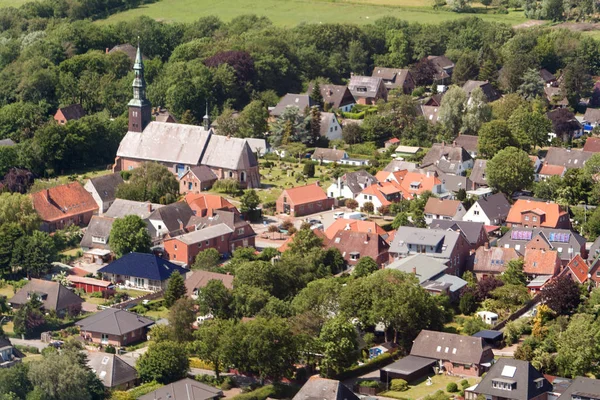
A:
{"x": 97, "y": 295}
{"x": 28, "y": 349}
{"x": 269, "y": 205}
{"x": 309, "y": 170}
{"x": 110, "y": 349}
{"x": 451, "y": 387}
{"x": 418, "y": 92}
{"x": 371, "y": 384}
{"x": 398, "y": 385}
{"x": 464, "y": 383}
{"x": 125, "y": 175}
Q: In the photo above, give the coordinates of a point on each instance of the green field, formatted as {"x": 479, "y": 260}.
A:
{"x": 294, "y": 12}
{"x": 12, "y": 3}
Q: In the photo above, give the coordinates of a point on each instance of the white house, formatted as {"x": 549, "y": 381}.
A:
{"x": 103, "y": 189}
{"x": 330, "y": 126}
{"x": 357, "y": 162}
{"x": 443, "y": 209}
{"x": 380, "y": 194}
{"x": 349, "y": 185}
{"x": 490, "y": 210}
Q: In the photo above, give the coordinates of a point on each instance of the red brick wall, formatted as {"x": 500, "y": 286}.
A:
{"x": 72, "y": 220}
{"x": 197, "y": 185}
{"x": 115, "y": 340}
{"x": 187, "y": 253}
{"x": 460, "y": 369}
{"x": 299, "y": 210}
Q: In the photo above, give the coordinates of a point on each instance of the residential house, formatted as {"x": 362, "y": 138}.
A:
{"x": 299, "y": 101}
{"x": 180, "y": 147}
{"x": 566, "y": 157}
{"x": 468, "y": 142}
{"x": 478, "y": 176}
{"x": 9, "y": 354}
{"x": 356, "y": 162}
{"x": 489, "y": 210}
{"x": 548, "y": 77}
{"x": 171, "y": 220}
{"x": 103, "y": 189}
{"x": 196, "y": 280}
{"x": 322, "y": 389}
{"x": 413, "y": 183}
{"x": 367, "y": 89}
{"x": 555, "y": 97}
{"x": 184, "y": 389}
{"x": 330, "y": 126}
{"x": 430, "y": 113}
{"x": 205, "y": 204}
{"x": 594, "y": 273}
{"x": 576, "y": 269}
{"x": 53, "y": 295}
{"x": 112, "y": 370}
{"x": 89, "y": 285}
{"x": 396, "y": 78}
{"x": 431, "y": 273}
{"x": 568, "y": 244}
{"x": 197, "y": 179}
{"x": 349, "y": 185}
{"x": 128, "y": 49}
{"x": 443, "y": 209}
{"x": 594, "y": 251}
{"x": 391, "y": 142}
{"x": 400, "y": 165}
{"x": 591, "y": 117}
{"x": 444, "y": 68}
{"x": 381, "y": 194}
{"x": 64, "y": 205}
{"x": 451, "y": 183}
{"x": 535, "y": 214}
{"x": 474, "y": 232}
{"x": 303, "y": 200}
{"x": 492, "y": 261}
{"x": 582, "y": 387}
{"x": 488, "y": 90}
{"x": 355, "y": 225}
{"x": 69, "y": 113}
{"x": 97, "y": 233}
{"x": 122, "y": 208}
{"x": 548, "y": 170}
{"x": 592, "y": 145}
{"x": 114, "y": 327}
{"x": 161, "y": 114}
{"x": 510, "y": 379}
{"x": 326, "y": 156}
{"x": 449, "y": 159}
{"x": 541, "y": 262}
{"x": 141, "y": 271}
{"x": 335, "y": 97}
{"x": 224, "y": 231}
{"x": 565, "y": 126}
{"x": 354, "y": 245}
{"x": 442, "y": 244}
{"x": 456, "y": 354}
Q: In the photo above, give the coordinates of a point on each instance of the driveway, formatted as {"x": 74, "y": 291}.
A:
{"x": 132, "y": 357}
{"x": 29, "y": 342}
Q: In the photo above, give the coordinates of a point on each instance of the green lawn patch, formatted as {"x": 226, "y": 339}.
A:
{"x": 420, "y": 388}
{"x": 7, "y": 291}
{"x": 275, "y": 391}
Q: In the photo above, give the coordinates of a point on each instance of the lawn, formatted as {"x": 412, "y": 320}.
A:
{"x": 421, "y": 389}
{"x": 12, "y": 3}
{"x": 7, "y": 291}
{"x": 294, "y": 12}
{"x": 32, "y": 357}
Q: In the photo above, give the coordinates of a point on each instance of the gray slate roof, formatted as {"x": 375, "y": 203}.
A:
{"x": 106, "y": 185}
{"x": 431, "y": 113}
{"x": 171, "y": 215}
{"x": 328, "y": 154}
{"x": 442, "y": 241}
{"x": 452, "y": 347}
{"x": 336, "y": 95}
{"x": 488, "y": 90}
{"x": 569, "y": 158}
{"x": 452, "y": 183}
{"x": 110, "y": 369}
{"x": 580, "y": 387}
{"x": 467, "y": 142}
{"x": 229, "y": 153}
{"x": 446, "y": 157}
{"x": 99, "y": 226}
{"x": 495, "y": 206}
{"x": 397, "y": 165}
{"x": 427, "y": 268}
{"x": 301, "y": 101}
{"x": 318, "y": 388}
{"x": 55, "y": 296}
{"x": 521, "y": 373}
{"x": 592, "y": 115}
{"x": 184, "y": 389}
{"x": 208, "y": 233}
{"x": 203, "y": 173}
{"x": 114, "y": 322}
{"x": 470, "y": 230}
{"x": 356, "y": 181}
{"x": 395, "y": 77}
{"x": 576, "y": 241}
{"x": 409, "y": 364}
{"x": 371, "y": 84}
{"x": 122, "y": 208}
{"x": 478, "y": 172}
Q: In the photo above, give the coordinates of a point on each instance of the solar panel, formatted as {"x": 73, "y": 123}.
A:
{"x": 520, "y": 235}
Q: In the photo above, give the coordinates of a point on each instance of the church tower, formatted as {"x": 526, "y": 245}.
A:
{"x": 140, "y": 110}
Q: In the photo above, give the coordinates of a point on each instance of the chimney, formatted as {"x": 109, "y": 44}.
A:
{"x": 347, "y": 228}
{"x": 47, "y": 195}
{"x": 107, "y": 50}
{"x": 414, "y": 270}
{"x": 149, "y": 207}
{"x": 428, "y": 174}
{"x": 454, "y": 143}
{"x": 318, "y": 183}
{"x": 180, "y": 224}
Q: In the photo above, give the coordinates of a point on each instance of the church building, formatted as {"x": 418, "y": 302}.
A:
{"x": 180, "y": 147}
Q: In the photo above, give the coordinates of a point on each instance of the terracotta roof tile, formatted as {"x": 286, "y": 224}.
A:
{"x": 204, "y": 204}
{"x": 442, "y": 207}
{"x": 304, "y": 194}
{"x": 541, "y": 262}
{"x": 577, "y": 268}
{"x": 353, "y": 225}
{"x": 550, "y": 170}
{"x": 592, "y": 144}
{"x": 552, "y": 210}
{"x": 62, "y": 202}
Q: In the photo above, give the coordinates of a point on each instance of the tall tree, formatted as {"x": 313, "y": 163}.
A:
{"x": 532, "y": 86}
{"x": 577, "y": 82}
{"x": 151, "y": 182}
{"x": 452, "y": 109}
{"x": 253, "y": 120}
{"x": 529, "y": 128}
{"x": 315, "y": 95}
{"x": 175, "y": 289}
{"x": 315, "y": 124}
{"x": 18, "y": 208}
{"x": 29, "y": 320}
{"x": 365, "y": 266}
{"x": 477, "y": 112}
{"x": 215, "y": 299}
{"x": 207, "y": 260}
{"x": 181, "y": 318}
{"x": 35, "y": 253}
{"x": 249, "y": 200}
{"x": 129, "y": 234}
{"x": 510, "y": 170}
{"x": 210, "y": 343}
{"x": 579, "y": 346}
{"x": 562, "y": 295}
{"x": 338, "y": 339}
{"x": 164, "y": 362}
{"x": 513, "y": 275}
{"x": 493, "y": 137}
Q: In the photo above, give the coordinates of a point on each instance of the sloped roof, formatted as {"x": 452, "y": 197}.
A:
{"x": 110, "y": 369}
{"x": 202, "y": 173}
{"x": 184, "y": 389}
{"x": 321, "y": 153}
{"x": 441, "y": 61}
{"x": 541, "y": 262}
{"x": 317, "y": 388}
{"x": 399, "y": 165}
{"x": 395, "y": 76}
{"x": 7, "y": 143}
{"x": 380, "y": 189}
{"x": 592, "y": 145}
{"x": 366, "y": 244}
{"x": 559, "y": 239}
{"x": 199, "y": 202}
{"x": 128, "y": 49}
{"x": 199, "y": 279}
{"x": 99, "y": 226}
{"x": 553, "y": 211}
{"x": 72, "y": 112}
{"x": 122, "y": 208}
{"x": 304, "y": 194}
{"x": 470, "y": 230}
{"x": 467, "y": 142}
{"x": 441, "y": 152}
{"x": 580, "y": 387}
{"x": 554, "y": 94}
{"x": 488, "y": 90}
{"x": 141, "y": 265}
{"x": 106, "y": 185}
{"x": 57, "y": 297}
{"x": 444, "y": 241}
{"x": 172, "y": 215}
{"x": 229, "y": 153}
{"x": 552, "y": 170}
{"x": 495, "y": 206}
{"x": 425, "y": 268}
{"x": 166, "y": 142}
{"x": 371, "y": 84}
{"x": 355, "y": 225}
{"x": 592, "y": 115}
{"x": 442, "y": 207}
{"x": 326, "y": 117}
{"x": 357, "y": 179}
{"x": 431, "y": 113}
{"x": 301, "y": 101}
{"x": 521, "y": 373}
{"x": 577, "y": 269}
{"x": 493, "y": 259}
{"x": 478, "y": 172}
{"x": 114, "y": 322}
{"x": 546, "y": 75}
{"x": 570, "y": 158}
{"x": 427, "y": 181}
{"x": 201, "y": 235}
{"x": 450, "y": 346}
{"x": 63, "y": 201}
{"x": 89, "y": 281}
{"x": 336, "y": 95}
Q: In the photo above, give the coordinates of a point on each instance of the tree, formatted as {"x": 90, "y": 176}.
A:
{"x": 466, "y": 67}
{"x": 215, "y": 299}
{"x": 228, "y": 124}
{"x": 35, "y": 253}
{"x": 513, "y": 275}
{"x": 207, "y": 260}
{"x": 315, "y": 95}
{"x": 320, "y": 296}
{"x": 493, "y": 137}
{"x": 510, "y": 170}
{"x": 304, "y": 241}
{"x": 423, "y": 72}
{"x": 552, "y": 10}
{"x": 352, "y": 204}
{"x": 290, "y": 126}
{"x": 577, "y": 82}
{"x": 579, "y": 346}
{"x": 210, "y": 342}
{"x": 14, "y": 381}
{"x": 459, "y": 5}
{"x": 18, "y": 208}
{"x": 477, "y": 112}
{"x": 529, "y": 128}
{"x": 249, "y": 201}
{"x": 181, "y": 318}
{"x": 368, "y": 207}
{"x": 253, "y": 120}
{"x": 474, "y": 325}
{"x": 29, "y": 319}
{"x": 129, "y": 234}
{"x": 562, "y": 295}
{"x": 151, "y": 182}
{"x": 351, "y": 133}
{"x": 357, "y": 57}
{"x": 401, "y": 219}
{"x": 175, "y": 289}
{"x": 340, "y": 347}
{"x": 309, "y": 169}
{"x": 9, "y": 234}
{"x": 452, "y": 109}
{"x": 532, "y": 86}
{"x": 315, "y": 124}
{"x": 468, "y": 303}
{"x": 365, "y": 266}
{"x": 164, "y": 362}
{"x": 507, "y": 105}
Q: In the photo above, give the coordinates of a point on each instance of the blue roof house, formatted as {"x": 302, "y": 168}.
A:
{"x": 141, "y": 271}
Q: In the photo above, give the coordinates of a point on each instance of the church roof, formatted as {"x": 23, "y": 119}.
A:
{"x": 229, "y": 153}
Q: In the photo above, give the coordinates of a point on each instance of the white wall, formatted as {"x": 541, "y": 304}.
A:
{"x": 476, "y": 214}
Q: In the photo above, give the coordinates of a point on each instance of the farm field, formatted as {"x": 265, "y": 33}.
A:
{"x": 294, "y": 12}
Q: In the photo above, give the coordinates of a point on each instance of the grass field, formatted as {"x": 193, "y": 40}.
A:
{"x": 421, "y": 389}
{"x": 294, "y": 12}
{"x": 12, "y": 3}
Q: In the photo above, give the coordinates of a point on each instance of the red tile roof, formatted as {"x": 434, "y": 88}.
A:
{"x": 552, "y": 210}
{"x": 427, "y": 181}
{"x": 393, "y": 140}
{"x": 442, "y": 207}
{"x": 550, "y": 170}
{"x": 577, "y": 268}
{"x": 541, "y": 262}
{"x": 62, "y": 202}
{"x": 379, "y": 189}
{"x": 200, "y": 202}
{"x": 353, "y": 225}
{"x": 592, "y": 144}
{"x": 304, "y": 194}
{"x": 366, "y": 244}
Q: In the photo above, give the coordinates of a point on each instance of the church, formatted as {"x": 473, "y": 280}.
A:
{"x": 180, "y": 147}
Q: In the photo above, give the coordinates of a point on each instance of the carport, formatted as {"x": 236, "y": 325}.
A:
{"x": 410, "y": 368}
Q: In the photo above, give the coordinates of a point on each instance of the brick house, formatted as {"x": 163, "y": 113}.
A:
{"x": 204, "y": 204}
{"x": 64, "y": 205}
{"x": 540, "y": 262}
{"x": 335, "y": 96}
{"x": 115, "y": 327}
{"x": 303, "y": 200}
{"x": 367, "y": 89}
{"x": 103, "y": 190}
{"x": 492, "y": 261}
{"x": 225, "y": 231}
{"x": 443, "y": 209}
{"x": 576, "y": 269}
{"x": 536, "y": 214}
{"x": 355, "y": 245}
{"x": 69, "y": 113}
{"x": 396, "y": 78}
{"x": 197, "y": 179}
{"x": 53, "y": 295}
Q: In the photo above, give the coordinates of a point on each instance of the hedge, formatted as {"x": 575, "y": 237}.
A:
{"x": 275, "y": 391}
{"x": 372, "y": 365}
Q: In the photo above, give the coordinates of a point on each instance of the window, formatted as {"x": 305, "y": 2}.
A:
{"x": 517, "y": 247}
{"x": 230, "y": 174}
{"x": 476, "y": 212}
{"x": 206, "y": 242}
{"x": 241, "y": 231}
{"x": 527, "y": 218}
{"x": 535, "y": 263}
{"x": 534, "y": 219}
{"x": 175, "y": 247}
{"x": 104, "y": 338}
{"x": 439, "y": 348}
